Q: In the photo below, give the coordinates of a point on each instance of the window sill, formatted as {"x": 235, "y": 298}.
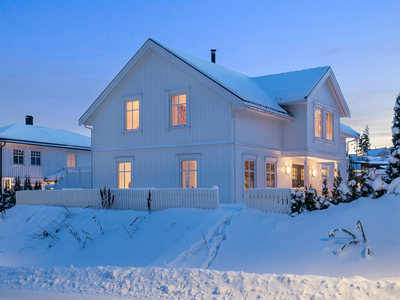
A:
{"x": 18, "y": 165}
{"x": 133, "y": 131}
{"x": 178, "y": 127}
{"x": 324, "y": 142}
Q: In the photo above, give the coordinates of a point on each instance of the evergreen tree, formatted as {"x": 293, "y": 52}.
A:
{"x": 325, "y": 190}
{"x": 366, "y": 180}
{"x": 17, "y": 185}
{"x": 337, "y": 194}
{"x": 352, "y": 181}
{"x": 38, "y": 185}
{"x": 297, "y": 203}
{"x": 27, "y": 183}
{"x": 394, "y": 157}
{"x": 309, "y": 199}
{"x": 364, "y": 144}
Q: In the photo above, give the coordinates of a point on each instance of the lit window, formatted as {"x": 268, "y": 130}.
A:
{"x": 71, "y": 160}
{"x": 35, "y": 158}
{"x": 132, "y": 115}
{"x": 189, "y": 173}
{"x": 178, "y": 110}
{"x": 248, "y": 174}
{"x": 18, "y": 157}
{"x": 270, "y": 175}
{"x": 318, "y": 123}
{"x": 124, "y": 175}
{"x": 329, "y": 127}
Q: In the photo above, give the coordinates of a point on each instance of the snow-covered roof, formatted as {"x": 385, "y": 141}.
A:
{"x": 348, "y": 131}
{"x": 36, "y": 135}
{"x": 241, "y": 85}
{"x": 291, "y": 86}
{"x": 265, "y": 92}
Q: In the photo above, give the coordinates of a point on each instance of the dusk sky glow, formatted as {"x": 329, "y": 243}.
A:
{"x": 56, "y": 57}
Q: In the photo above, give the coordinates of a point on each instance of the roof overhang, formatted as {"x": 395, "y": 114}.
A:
{"x": 45, "y": 144}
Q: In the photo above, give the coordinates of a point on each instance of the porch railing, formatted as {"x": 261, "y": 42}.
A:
{"x": 125, "y": 199}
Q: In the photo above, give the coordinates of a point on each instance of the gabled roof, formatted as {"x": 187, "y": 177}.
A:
{"x": 264, "y": 92}
{"x": 291, "y": 86}
{"x": 349, "y": 132}
{"x": 42, "y": 136}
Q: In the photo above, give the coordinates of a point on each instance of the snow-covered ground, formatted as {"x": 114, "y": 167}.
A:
{"x": 229, "y": 253}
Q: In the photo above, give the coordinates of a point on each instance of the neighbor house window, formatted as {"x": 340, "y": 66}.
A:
{"x": 132, "y": 115}
{"x": 71, "y": 160}
{"x": 249, "y": 174}
{"x": 318, "y": 123}
{"x": 189, "y": 173}
{"x": 124, "y": 175}
{"x": 329, "y": 126}
{"x": 178, "y": 110}
{"x": 270, "y": 174}
{"x": 35, "y": 158}
{"x": 18, "y": 157}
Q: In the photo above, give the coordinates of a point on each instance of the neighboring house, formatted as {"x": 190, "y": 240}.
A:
{"x": 377, "y": 159}
{"x": 44, "y": 154}
{"x": 169, "y": 119}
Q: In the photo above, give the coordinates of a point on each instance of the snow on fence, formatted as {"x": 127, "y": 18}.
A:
{"x": 271, "y": 199}
{"x": 125, "y": 198}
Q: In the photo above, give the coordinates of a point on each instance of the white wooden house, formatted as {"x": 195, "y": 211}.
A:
{"x": 169, "y": 119}
{"x": 45, "y": 155}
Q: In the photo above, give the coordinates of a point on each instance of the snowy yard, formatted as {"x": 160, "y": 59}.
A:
{"x": 228, "y": 253}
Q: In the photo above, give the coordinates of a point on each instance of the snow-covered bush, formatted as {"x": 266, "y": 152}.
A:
{"x": 7, "y": 199}
{"x": 106, "y": 200}
{"x": 309, "y": 199}
{"x": 351, "y": 182}
{"x": 379, "y": 187}
{"x": 297, "y": 203}
{"x": 393, "y": 186}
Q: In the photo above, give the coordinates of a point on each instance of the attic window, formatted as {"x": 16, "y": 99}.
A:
{"x": 132, "y": 115}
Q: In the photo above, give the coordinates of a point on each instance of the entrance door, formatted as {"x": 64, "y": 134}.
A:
{"x": 297, "y": 176}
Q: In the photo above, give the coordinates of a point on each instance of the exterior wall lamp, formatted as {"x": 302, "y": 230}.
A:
{"x": 287, "y": 170}
{"x": 314, "y": 172}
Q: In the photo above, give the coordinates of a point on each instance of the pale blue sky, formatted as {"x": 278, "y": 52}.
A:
{"x": 56, "y": 57}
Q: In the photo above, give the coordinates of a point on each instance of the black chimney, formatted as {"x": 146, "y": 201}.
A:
{"x": 29, "y": 120}
{"x": 213, "y": 55}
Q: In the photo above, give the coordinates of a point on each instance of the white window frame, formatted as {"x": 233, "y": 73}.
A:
{"x": 271, "y": 161}
{"x": 123, "y": 159}
{"x": 324, "y": 111}
{"x": 21, "y": 153}
{"x": 331, "y": 112}
{"x": 68, "y": 160}
{"x": 132, "y": 98}
{"x": 250, "y": 158}
{"x": 177, "y": 92}
{"x": 36, "y": 157}
{"x": 189, "y": 157}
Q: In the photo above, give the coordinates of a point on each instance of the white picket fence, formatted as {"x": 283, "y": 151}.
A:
{"x": 271, "y": 199}
{"x": 125, "y": 199}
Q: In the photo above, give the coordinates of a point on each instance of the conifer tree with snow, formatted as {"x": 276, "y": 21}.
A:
{"x": 27, "y": 183}
{"x": 351, "y": 181}
{"x": 297, "y": 202}
{"x": 309, "y": 199}
{"x": 337, "y": 195}
{"x": 38, "y": 185}
{"x": 364, "y": 144}
{"x": 325, "y": 190}
{"x": 366, "y": 181}
{"x": 393, "y": 170}
{"x": 17, "y": 185}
